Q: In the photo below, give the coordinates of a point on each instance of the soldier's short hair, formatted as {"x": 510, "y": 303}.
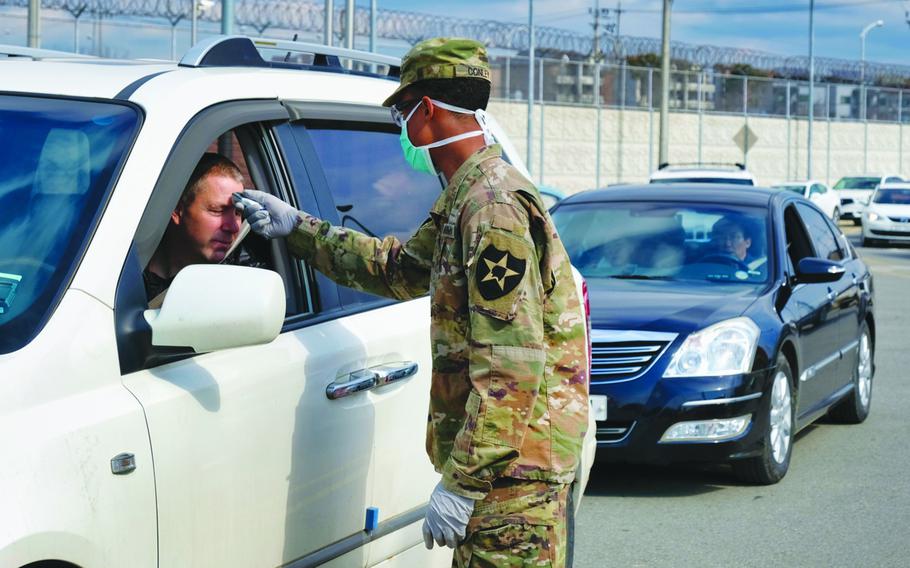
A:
{"x": 464, "y": 92}
{"x": 210, "y": 164}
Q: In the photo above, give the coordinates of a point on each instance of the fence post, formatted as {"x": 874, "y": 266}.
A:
{"x": 701, "y": 76}
{"x": 597, "y": 104}
{"x": 508, "y": 80}
{"x": 622, "y": 111}
{"x": 788, "y": 128}
{"x": 746, "y": 120}
{"x": 828, "y": 149}
{"x": 900, "y": 132}
{"x": 540, "y": 98}
{"x": 865, "y": 112}
{"x": 650, "y": 120}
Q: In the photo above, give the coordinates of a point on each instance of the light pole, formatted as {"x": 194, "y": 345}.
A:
{"x": 349, "y": 25}
{"x": 328, "y": 28}
{"x": 663, "y": 155}
{"x": 862, "y": 89}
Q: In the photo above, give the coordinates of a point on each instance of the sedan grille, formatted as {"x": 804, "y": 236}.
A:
{"x": 619, "y": 356}
{"x": 846, "y": 201}
{"x": 900, "y": 219}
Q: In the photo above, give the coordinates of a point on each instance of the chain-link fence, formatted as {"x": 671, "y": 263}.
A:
{"x": 580, "y": 83}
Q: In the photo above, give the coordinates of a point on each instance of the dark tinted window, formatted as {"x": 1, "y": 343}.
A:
{"x": 692, "y": 242}
{"x": 58, "y": 161}
{"x": 731, "y": 181}
{"x": 375, "y": 190}
{"x": 892, "y": 196}
{"x": 857, "y": 183}
{"x": 823, "y": 239}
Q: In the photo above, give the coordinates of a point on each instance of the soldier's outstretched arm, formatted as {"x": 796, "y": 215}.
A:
{"x": 507, "y": 354}
{"x": 386, "y": 267}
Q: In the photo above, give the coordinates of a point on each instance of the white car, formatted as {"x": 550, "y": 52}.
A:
{"x": 855, "y": 191}
{"x": 887, "y": 216}
{"x": 703, "y": 173}
{"x": 817, "y": 192}
{"x": 259, "y": 417}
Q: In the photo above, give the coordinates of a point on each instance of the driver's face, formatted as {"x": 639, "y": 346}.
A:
{"x": 210, "y": 223}
{"x": 731, "y": 240}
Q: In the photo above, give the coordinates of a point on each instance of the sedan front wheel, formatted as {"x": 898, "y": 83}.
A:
{"x": 774, "y": 461}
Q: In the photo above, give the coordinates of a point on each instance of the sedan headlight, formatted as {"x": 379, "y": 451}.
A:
{"x": 725, "y": 348}
{"x": 873, "y": 216}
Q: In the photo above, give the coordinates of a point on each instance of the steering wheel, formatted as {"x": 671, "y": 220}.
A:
{"x": 728, "y": 259}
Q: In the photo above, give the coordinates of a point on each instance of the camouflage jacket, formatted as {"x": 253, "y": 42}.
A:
{"x": 509, "y": 393}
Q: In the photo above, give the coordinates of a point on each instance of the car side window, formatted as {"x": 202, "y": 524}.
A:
{"x": 798, "y": 244}
{"x": 374, "y": 190}
{"x": 817, "y": 189}
{"x": 824, "y": 239}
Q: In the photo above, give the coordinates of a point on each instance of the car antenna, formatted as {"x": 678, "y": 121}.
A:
{"x": 288, "y": 56}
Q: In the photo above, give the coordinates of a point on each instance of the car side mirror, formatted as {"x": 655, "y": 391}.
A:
{"x": 210, "y": 307}
{"x": 818, "y": 271}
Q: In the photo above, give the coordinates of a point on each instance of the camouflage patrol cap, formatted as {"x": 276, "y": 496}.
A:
{"x": 442, "y": 58}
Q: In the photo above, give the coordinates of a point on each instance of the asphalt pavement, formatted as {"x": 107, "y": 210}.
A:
{"x": 845, "y": 501}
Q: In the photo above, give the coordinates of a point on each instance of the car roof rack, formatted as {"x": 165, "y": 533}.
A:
{"x": 37, "y": 53}
{"x": 699, "y": 164}
{"x": 243, "y": 51}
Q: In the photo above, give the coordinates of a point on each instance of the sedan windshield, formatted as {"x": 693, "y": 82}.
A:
{"x": 690, "y": 242}
{"x": 857, "y": 183}
{"x": 892, "y": 196}
{"x": 59, "y": 159}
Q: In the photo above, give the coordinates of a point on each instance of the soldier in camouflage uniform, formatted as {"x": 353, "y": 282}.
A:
{"x": 508, "y": 401}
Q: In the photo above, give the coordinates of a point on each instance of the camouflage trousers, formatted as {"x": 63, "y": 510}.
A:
{"x": 520, "y": 524}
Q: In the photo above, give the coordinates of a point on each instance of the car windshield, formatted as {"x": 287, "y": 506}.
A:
{"x": 892, "y": 196}
{"x": 733, "y": 181}
{"x": 857, "y": 183}
{"x": 59, "y": 159}
{"x": 692, "y": 242}
{"x": 795, "y": 188}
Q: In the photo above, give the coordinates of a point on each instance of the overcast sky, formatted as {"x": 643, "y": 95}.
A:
{"x": 776, "y": 26}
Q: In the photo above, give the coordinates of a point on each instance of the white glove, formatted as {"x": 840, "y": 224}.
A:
{"x": 447, "y": 518}
{"x": 267, "y": 215}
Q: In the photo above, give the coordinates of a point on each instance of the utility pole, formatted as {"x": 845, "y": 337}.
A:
{"x": 663, "y": 156}
{"x": 597, "y": 12}
{"x": 34, "y": 23}
{"x": 862, "y": 89}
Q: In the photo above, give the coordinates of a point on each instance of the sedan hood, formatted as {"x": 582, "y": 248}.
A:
{"x": 658, "y": 305}
{"x": 890, "y": 209}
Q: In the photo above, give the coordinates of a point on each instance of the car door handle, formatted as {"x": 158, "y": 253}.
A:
{"x": 366, "y": 379}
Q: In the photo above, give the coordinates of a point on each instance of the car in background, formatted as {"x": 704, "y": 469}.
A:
{"x": 733, "y": 174}
{"x": 550, "y": 195}
{"x": 855, "y": 191}
{"x": 816, "y": 192}
{"x": 721, "y": 328}
{"x": 887, "y": 216}
{"x": 283, "y": 410}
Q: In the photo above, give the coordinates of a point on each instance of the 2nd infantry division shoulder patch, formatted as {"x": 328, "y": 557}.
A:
{"x": 498, "y": 272}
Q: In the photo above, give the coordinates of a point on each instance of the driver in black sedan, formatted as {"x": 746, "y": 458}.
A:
{"x": 729, "y": 236}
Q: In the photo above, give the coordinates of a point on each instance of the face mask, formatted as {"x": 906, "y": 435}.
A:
{"x": 418, "y": 157}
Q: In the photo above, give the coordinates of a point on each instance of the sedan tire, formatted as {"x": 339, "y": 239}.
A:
{"x": 774, "y": 461}
{"x": 855, "y": 407}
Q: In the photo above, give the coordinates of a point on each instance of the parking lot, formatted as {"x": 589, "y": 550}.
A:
{"x": 844, "y": 502}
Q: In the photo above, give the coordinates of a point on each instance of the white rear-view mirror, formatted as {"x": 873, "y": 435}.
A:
{"x": 210, "y": 307}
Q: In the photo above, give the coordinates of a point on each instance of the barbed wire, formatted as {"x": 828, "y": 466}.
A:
{"x": 412, "y": 27}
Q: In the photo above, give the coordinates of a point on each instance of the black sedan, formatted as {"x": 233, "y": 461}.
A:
{"x": 725, "y": 320}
